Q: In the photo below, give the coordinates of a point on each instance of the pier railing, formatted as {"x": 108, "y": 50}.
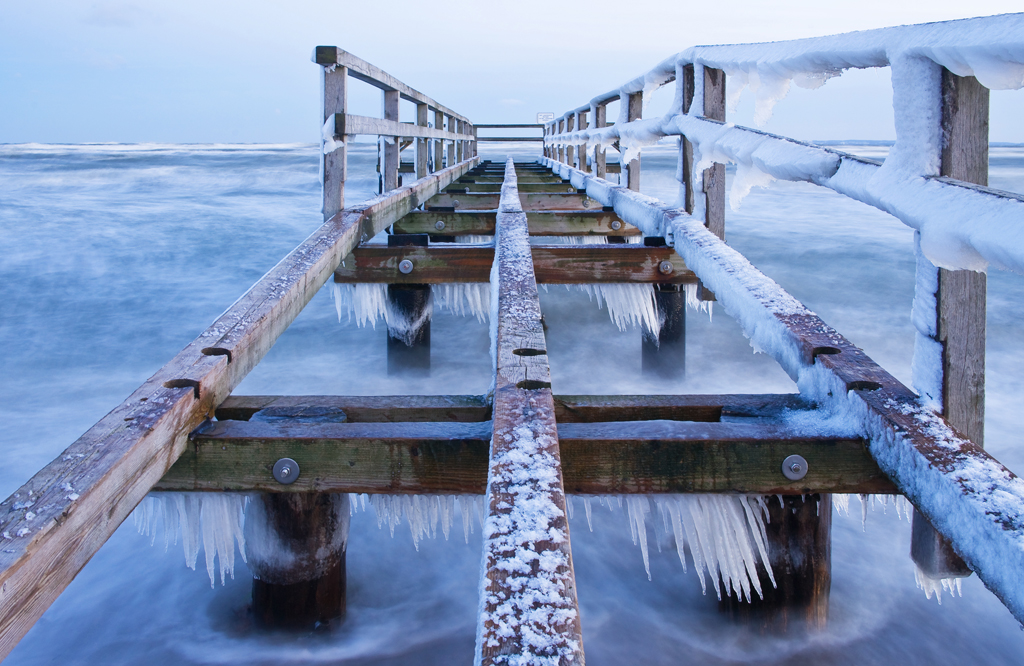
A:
{"x": 934, "y": 180}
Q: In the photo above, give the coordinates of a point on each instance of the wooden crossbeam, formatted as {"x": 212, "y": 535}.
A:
{"x": 530, "y": 202}
{"x": 558, "y": 187}
{"x": 60, "y": 518}
{"x": 528, "y": 604}
{"x": 546, "y": 223}
{"x": 380, "y": 456}
{"x": 553, "y": 264}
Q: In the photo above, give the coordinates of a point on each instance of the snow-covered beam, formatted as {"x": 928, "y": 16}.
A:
{"x": 528, "y": 609}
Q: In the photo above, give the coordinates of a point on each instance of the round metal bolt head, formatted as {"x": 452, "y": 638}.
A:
{"x": 405, "y": 266}
{"x": 570, "y": 190}
{"x": 616, "y": 225}
{"x": 286, "y": 471}
{"x": 666, "y": 267}
{"x": 455, "y": 204}
{"x": 586, "y": 202}
{"x": 439, "y": 225}
{"x": 794, "y": 467}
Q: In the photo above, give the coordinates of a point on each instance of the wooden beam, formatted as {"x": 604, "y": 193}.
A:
{"x": 376, "y": 77}
{"x": 600, "y": 162}
{"x": 391, "y": 150}
{"x": 550, "y": 223}
{"x": 714, "y": 176}
{"x": 422, "y": 144}
{"x": 530, "y": 201}
{"x": 335, "y": 163}
{"x": 531, "y": 612}
{"x": 635, "y": 107}
{"x": 553, "y": 264}
{"x": 500, "y": 139}
{"x": 360, "y": 409}
{"x": 113, "y": 465}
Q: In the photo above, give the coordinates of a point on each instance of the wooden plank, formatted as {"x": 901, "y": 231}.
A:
{"x": 360, "y": 409}
{"x": 366, "y": 126}
{"x": 376, "y": 77}
{"x": 422, "y": 144}
{"x": 529, "y": 612}
{"x": 419, "y": 457}
{"x": 114, "y": 464}
{"x": 451, "y": 457}
{"x": 553, "y": 264}
{"x": 511, "y": 126}
{"x": 462, "y": 187}
{"x": 635, "y": 107}
{"x": 530, "y": 201}
{"x": 500, "y": 139}
{"x": 600, "y": 162}
{"x": 391, "y": 149}
{"x": 698, "y": 407}
{"x": 549, "y": 223}
{"x": 335, "y": 163}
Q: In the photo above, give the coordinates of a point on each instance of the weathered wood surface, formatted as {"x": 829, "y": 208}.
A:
{"x": 530, "y": 201}
{"x": 360, "y": 409}
{"x": 546, "y": 223}
{"x": 600, "y": 160}
{"x": 391, "y": 151}
{"x": 354, "y": 125}
{"x": 507, "y": 139}
{"x": 528, "y": 602}
{"x": 462, "y": 187}
{"x": 553, "y": 264}
{"x": 714, "y": 176}
{"x": 78, "y": 500}
{"x": 597, "y": 458}
{"x": 968, "y": 496}
{"x": 335, "y": 163}
{"x": 635, "y": 107}
{"x": 422, "y": 145}
{"x": 376, "y": 77}
{"x": 696, "y": 407}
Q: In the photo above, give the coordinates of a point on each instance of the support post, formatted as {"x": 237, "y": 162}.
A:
{"x": 410, "y": 306}
{"x": 714, "y": 177}
{"x": 335, "y": 162}
{"x": 391, "y": 144}
{"x": 295, "y": 544}
{"x": 664, "y": 354}
{"x": 438, "y": 143}
{"x": 570, "y": 152}
{"x": 422, "y": 145}
{"x": 581, "y": 122}
{"x": 600, "y": 120}
{"x": 634, "y": 112}
{"x": 961, "y": 307}
{"x": 799, "y": 531}
{"x": 684, "y": 78}
{"x": 561, "y": 149}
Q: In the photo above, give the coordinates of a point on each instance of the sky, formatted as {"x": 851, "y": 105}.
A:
{"x": 213, "y": 71}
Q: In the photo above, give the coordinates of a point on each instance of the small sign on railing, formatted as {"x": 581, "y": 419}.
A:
{"x": 545, "y": 117}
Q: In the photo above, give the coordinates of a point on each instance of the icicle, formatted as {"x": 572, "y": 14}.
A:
{"x": 693, "y": 300}
{"x": 424, "y": 512}
{"x": 937, "y": 585}
{"x": 467, "y": 298}
{"x": 841, "y": 502}
{"x": 474, "y": 240}
{"x": 637, "y": 507}
{"x": 629, "y": 304}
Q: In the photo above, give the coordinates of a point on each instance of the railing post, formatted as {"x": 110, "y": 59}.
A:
{"x": 684, "y": 79}
{"x": 472, "y": 152}
{"x": 296, "y": 551}
{"x": 581, "y": 122}
{"x": 561, "y": 149}
{"x": 422, "y": 145}
{"x": 960, "y": 306}
{"x": 438, "y": 143}
{"x": 335, "y": 162}
{"x": 714, "y": 177}
{"x": 633, "y": 112}
{"x": 391, "y": 148}
{"x": 600, "y": 120}
{"x": 570, "y": 152}
{"x": 450, "y": 144}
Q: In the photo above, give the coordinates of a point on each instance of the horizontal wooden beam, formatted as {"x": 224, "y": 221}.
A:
{"x": 347, "y": 124}
{"x": 530, "y": 201}
{"x": 64, "y": 514}
{"x": 597, "y": 458}
{"x": 358, "y": 68}
{"x": 547, "y": 223}
{"x": 507, "y": 126}
{"x": 696, "y": 407}
{"x": 557, "y": 187}
{"x": 553, "y": 264}
{"x": 495, "y": 139}
{"x": 361, "y": 409}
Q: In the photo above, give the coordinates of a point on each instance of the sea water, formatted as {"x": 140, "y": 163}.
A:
{"x": 115, "y": 256}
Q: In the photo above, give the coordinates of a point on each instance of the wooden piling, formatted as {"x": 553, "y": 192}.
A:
{"x": 409, "y": 345}
{"x": 799, "y": 533}
{"x": 664, "y": 354}
{"x": 296, "y": 546}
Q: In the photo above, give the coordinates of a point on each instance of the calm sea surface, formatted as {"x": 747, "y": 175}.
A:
{"x": 115, "y": 256}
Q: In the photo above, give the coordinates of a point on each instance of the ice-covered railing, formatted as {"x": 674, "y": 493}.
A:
{"x": 961, "y": 227}
{"x": 934, "y": 180}
{"x": 452, "y": 136}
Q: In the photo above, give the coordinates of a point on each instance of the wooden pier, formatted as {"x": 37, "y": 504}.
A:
{"x": 524, "y": 445}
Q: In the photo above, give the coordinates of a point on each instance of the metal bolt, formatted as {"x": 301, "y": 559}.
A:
{"x": 571, "y": 190}
{"x": 666, "y": 267}
{"x": 455, "y": 204}
{"x": 439, "y": 225}
{"x": 616, "y": 225}
{"x": 467, "y": 190}
{"x": 286, "y": 471}
{"x": 794, "y": 467}
{"x": 586, "y": 202}
{"x": 405, "y": 266}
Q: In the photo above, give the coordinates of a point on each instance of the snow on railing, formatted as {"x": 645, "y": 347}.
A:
{"x": 961, "y": 227}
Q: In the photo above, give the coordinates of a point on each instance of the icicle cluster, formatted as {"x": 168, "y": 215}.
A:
{"x": 464, "y": 298}
{"x": 937, "y": 585}
{"x": 216, "y": 518}
{"x": 725, "y": 534}
{"x": 369, "y": 302}
{"x": 474, "y": 240}
{"x": 630, "y": 304}
{"x": 423, "y": 512}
